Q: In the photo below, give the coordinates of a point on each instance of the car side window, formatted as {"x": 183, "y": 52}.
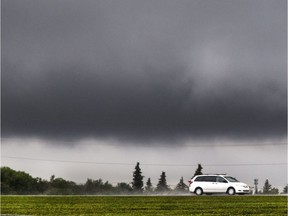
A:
{"x": 205, "y": 178}
{"x": 210, "y": 178}
{"x": 221, "y": 180}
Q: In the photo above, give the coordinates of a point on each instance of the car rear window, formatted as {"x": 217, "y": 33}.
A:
{"x": 200, "y": 178}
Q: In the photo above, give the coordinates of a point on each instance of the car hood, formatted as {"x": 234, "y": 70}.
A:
{"x": 240, "y": 184}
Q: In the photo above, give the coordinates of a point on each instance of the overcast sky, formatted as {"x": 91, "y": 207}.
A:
{"x": 159, "y": 82}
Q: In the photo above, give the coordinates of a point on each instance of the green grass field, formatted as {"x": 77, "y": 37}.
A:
{"x": 144, "y": 205}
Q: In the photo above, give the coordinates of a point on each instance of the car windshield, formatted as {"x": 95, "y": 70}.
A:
{"x": 231, "y": 179}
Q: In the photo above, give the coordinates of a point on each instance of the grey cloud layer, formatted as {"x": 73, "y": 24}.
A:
{"x": 144, "y": 70}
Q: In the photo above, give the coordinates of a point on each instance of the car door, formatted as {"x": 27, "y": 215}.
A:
{"x": 221, "y": 185}
{"x": 210, "y": 183}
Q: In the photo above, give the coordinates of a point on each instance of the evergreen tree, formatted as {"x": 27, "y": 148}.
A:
{"x": 137, "y": 183}
{"x": 285, "y": 189}
{"x": 181, "y": 186}
{"x": 148, "y": 187}
{"x": 198, "y": 170}
{"x": 162, "y": 184}
{"x": 267, "y": 187}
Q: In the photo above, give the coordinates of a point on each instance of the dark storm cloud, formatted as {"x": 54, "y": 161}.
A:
{"x": 144, "y": 70}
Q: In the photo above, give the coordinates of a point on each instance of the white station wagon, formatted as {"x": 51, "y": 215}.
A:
{"x": 217, "y": 183}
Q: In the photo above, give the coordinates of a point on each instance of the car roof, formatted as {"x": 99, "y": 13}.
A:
{"x": 214, "y": 174}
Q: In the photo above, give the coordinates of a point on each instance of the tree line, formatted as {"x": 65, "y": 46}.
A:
{"x": 21, "y": 183}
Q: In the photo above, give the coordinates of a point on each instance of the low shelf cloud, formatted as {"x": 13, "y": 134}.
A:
{"x": 132, "y": 71}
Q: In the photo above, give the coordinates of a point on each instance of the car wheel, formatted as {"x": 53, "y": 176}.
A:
{"x": 198, "y": 191}
{"x": 231, "y": 191}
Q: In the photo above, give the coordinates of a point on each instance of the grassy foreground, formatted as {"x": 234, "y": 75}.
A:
{"x": 144, "y": 205}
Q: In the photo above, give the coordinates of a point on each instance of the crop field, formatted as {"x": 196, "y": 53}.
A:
{"x": 144, "y": 205}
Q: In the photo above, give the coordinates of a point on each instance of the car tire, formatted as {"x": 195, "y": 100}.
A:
{"x": 231, "y": 191}
{"x": 198, "y": 191}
